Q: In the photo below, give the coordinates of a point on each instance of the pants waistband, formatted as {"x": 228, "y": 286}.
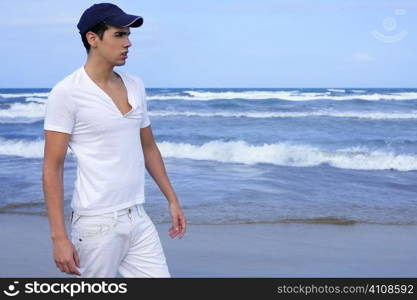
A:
{"x": 134, "y": 208}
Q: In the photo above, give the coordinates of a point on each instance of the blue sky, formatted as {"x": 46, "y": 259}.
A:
{"x": 294, "y": 43}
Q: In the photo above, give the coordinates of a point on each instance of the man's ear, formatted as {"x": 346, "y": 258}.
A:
{"x": 91, "y": 39}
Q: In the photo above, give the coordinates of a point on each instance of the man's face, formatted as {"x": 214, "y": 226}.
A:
{"x": 114, "y": 45}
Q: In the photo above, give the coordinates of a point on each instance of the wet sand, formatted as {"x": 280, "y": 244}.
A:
{"x": 246, "y": 250}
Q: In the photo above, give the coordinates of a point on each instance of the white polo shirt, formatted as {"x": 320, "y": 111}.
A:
{"x": 105, "y": 142}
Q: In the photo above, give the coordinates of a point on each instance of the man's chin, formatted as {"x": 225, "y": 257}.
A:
{"x": 120, "y": 63}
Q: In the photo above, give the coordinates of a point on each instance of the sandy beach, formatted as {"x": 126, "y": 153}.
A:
{"x": 247, "y": 250}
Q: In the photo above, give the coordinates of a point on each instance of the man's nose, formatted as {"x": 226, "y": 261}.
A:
{"x": 127, "y": 43}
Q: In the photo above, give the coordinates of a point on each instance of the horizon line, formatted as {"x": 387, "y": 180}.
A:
{"x": 290, "y": 87}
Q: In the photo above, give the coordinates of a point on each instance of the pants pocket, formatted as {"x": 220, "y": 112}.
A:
{"x": 86, "y": 229}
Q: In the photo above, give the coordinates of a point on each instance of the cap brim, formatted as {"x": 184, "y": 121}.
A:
{"x": 125, "y": 21}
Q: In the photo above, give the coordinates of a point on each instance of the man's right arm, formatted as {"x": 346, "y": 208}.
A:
{"x": 56, "y": 144}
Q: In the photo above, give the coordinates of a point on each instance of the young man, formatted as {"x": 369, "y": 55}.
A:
{"x": 102, "y": 116}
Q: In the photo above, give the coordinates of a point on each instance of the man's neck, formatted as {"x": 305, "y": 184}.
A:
{"x": 99, "y": 71}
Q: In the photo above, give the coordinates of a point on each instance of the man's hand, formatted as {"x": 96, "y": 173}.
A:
{"x": 178, "y": 221}
{"x": 66, "y": 256}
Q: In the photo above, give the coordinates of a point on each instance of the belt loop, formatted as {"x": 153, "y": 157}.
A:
{"x": 139, "y": 208}
{"x": 129, "y": 213}
{"x": 74, "y": 218}
{"x": 115, "y": 217}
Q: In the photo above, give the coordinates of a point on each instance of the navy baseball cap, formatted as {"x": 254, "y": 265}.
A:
{"x": 107, "y": 13}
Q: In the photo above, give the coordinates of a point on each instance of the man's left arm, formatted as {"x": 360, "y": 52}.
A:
{"x": 155, "y": 166}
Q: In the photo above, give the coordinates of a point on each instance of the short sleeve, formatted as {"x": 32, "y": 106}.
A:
{"x": 60, "y": 111}
{"x": 145, "y": 120}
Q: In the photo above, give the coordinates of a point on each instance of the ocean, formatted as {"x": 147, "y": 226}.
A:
{"x": 261, "y": 155}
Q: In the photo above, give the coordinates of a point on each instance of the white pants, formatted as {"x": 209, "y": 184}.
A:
{"x": 125, "y": 241}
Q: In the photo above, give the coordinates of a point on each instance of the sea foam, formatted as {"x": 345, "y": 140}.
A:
{"x": 282, "y": 154}
{"x": 283, "y": 95}
{"x": 21, "y": 95}
{"x": 277, "y": 114}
